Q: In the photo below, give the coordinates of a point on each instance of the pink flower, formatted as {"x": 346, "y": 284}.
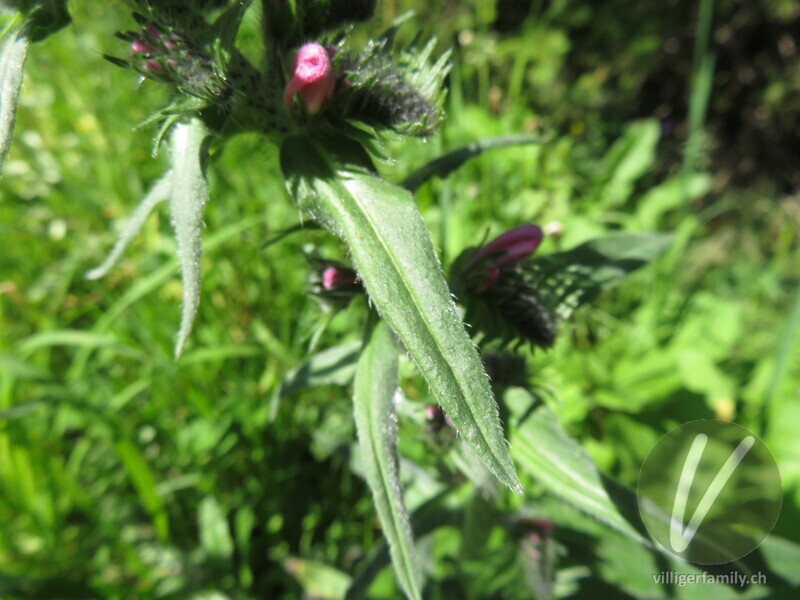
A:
{"x": 312, "y": 77}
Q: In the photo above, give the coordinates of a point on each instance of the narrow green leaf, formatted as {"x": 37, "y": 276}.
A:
{"x": 64, "y": 337}
{"x": 447, "y": 163}
{"x": 560, "y": 464}
{"x": 564, "y": 468}
{"x": 392, "y": 251}
{"x": 427, "y": 517}
{"x": 157, "y": 194}
{"x": 332, "y": 366}
{"x": 373, "y": 399}
{"x": 13, "y": 52}
{"x": 145, "y": 484}
{"x": 150, "y": 282}
{"x": 188, "y": 198}
{"x": 629, "y": 158}
{"x": 19, "y": 369}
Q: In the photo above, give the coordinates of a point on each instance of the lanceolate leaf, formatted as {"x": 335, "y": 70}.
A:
{"x": 427, "y": 517}
{"x": 564, "y": 468}
{"x": 13, "y": 51}
{"x": 184, "y": 185}
{"x": 373, "y": 395}
{"x": 393, "y": 253}
{"x": 447, "y": 163}
{"x": 157, "y": 194}
{"x": 187, "y": 202}
{"x": 560, "y": 464}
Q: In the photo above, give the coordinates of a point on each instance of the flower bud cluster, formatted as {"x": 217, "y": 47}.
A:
{"x": 501, "y": 299}
{"x": 164, "y": 54}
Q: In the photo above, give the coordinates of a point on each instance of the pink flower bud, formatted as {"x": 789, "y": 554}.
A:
{"x": 152, "y": 66}
{"x": 312, "y": 77}
{"x": 433, "y": 412}
{"x": 140, "y": 47}
{"x": 334, "y": 279}
{"x": 511, "y": 247}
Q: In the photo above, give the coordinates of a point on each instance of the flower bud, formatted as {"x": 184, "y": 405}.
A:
{"x": 511, "y": 247}
{"x": 140, "y": 47}
{"x": 312, "y": 78}
{"x": 506, "y": 250}
{"x": 334, "y": 278}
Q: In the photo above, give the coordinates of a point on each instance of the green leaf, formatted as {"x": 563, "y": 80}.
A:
{"x": 64, "y": 337}
{"x": 447, "y": 163}
{"x": 17, "y": 368}
{"x": 393, "y": 253}
{"x": 332, "y": 366}
{"x": 565, "y": 469}
{"x": 561, "y": 464}
{"x": 157, "y": 194}
{"x": 429, "y": 516}
{"x": 215, "y": 536}
{"x": 783, "y": 558}
{"x": 13, "y": 52}
{"x": 185, "y": 186}
{"x": 46, "y": 17}
{"x": 373, "y": 400}
{"x": 188, "y": 198}
{"x": 319, "y": 580}
{"x": 145, "y": 483}
{"x": 566, "y": 280}
{"x": 629, "y": 159}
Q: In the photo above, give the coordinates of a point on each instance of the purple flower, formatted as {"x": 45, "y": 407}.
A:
{"x": 312, "y": 78}
{"x": 513, "y": 246}
{"x": 506, "y": 250}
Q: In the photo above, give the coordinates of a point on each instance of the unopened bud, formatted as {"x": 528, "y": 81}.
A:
{"x": 140, "y": 47}
{"x": 312, "y": 78}
{"x": 334, "y": 278}
{"x": 511, "y": 247}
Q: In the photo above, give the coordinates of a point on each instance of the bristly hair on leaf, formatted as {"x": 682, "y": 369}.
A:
{"x": 399, "y": 90}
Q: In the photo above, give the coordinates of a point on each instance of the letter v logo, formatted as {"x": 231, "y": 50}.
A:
{"x": 680, "y": 538}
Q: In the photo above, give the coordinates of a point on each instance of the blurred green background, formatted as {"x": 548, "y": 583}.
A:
{"x": 126, "y": 474}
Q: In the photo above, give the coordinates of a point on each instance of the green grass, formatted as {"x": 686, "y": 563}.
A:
{"x": 126, "y": 474}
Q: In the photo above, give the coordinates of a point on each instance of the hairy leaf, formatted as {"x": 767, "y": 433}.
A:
{"x": 187, "y": 202}
{"x": 157, "y": 194}
{"x": 393, "y": 253}
{"x": 13, "y": 52}
{"x": 373, "y": 402}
